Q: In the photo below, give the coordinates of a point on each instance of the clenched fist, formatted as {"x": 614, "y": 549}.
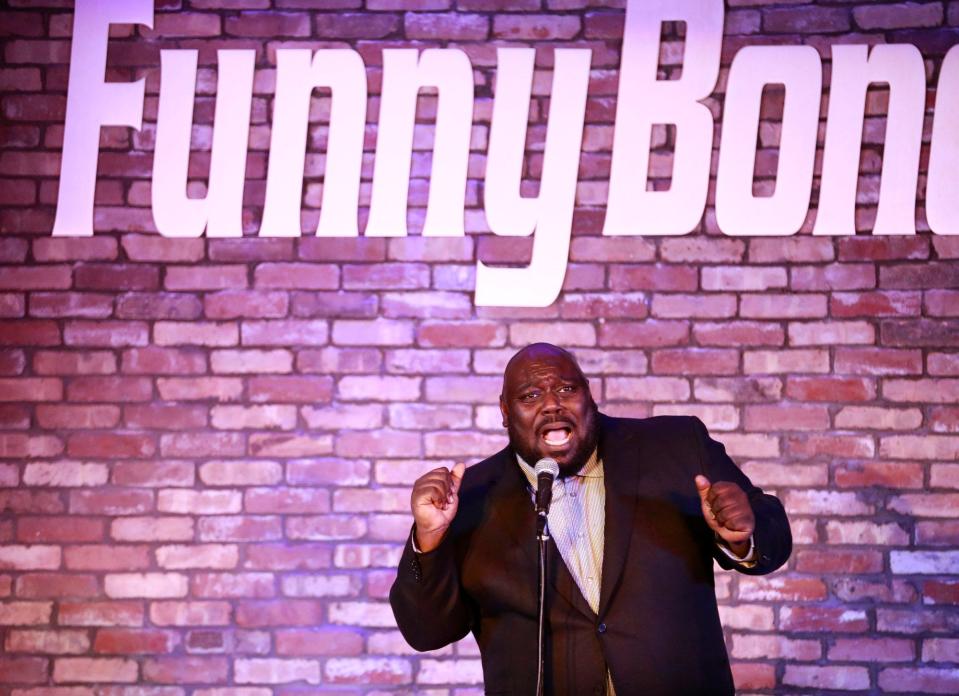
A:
{"x": 434, "y": 502}
{"x": 727, "y": 512}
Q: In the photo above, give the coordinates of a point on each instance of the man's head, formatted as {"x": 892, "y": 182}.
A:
{"x": 547, "y": 407}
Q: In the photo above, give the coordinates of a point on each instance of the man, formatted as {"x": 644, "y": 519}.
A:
{"x": 640, "y": 510}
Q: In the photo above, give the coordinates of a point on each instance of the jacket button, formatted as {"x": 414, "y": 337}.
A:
{"x": 601, "y": 628}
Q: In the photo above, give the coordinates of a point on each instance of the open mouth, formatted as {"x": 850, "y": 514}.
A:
{"x": 556, "y": 436}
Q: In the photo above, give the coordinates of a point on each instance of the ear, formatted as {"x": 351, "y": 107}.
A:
{"x": 503, "y": 410}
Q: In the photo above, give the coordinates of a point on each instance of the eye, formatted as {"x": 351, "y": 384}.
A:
{"x": 529, "y": 396}
{"x": 567, "y": 388}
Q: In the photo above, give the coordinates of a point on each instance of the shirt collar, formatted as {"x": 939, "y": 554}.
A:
{"x": 592, "y": 469}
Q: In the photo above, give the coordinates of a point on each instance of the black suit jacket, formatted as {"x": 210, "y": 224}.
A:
{"x": 657, "y": 630}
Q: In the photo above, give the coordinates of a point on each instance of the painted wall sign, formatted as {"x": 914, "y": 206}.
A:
{"x": 642, "y": 102}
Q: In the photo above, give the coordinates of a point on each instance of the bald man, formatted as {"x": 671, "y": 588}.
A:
{"x": 640, "y": 510}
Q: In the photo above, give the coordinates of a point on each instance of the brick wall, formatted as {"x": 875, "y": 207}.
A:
{"x": 207, "y": 445}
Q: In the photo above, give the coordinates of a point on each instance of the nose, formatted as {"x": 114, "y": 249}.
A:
{"x": 550, "y": 401}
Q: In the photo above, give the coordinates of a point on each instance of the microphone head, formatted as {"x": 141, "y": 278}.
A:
{"x": 546, "y": 465}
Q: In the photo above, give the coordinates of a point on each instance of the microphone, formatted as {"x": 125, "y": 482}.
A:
{"x": 546, "y": 470}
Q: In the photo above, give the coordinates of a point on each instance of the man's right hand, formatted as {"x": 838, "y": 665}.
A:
{"x": 434, "y": 502}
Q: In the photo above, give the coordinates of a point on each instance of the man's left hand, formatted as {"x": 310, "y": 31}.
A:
{"x": 727, "y": 512}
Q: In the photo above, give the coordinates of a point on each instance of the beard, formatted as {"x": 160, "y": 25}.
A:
{"x": 575, "y": 460}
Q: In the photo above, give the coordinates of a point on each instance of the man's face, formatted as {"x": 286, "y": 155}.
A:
{"x": 548, "y": 410}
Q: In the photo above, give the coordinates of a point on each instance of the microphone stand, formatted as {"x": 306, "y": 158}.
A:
{"x": 542, "y": 537}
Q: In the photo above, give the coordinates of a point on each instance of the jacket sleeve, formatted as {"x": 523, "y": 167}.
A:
{"x": 772, "y": 536}
{"x": 430, "y": 607}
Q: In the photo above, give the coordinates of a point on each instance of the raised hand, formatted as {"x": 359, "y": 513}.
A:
{"x": 727, "y": 512}
{"x": 434, "y": 502}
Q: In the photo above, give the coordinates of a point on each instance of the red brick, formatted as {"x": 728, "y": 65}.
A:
{"x": 348, "y": 25}
{"x": 378, "y": 443}
{"x": 29, "y": 332}
{"x": 25, "y": 613}
{"x": 101, "y": 613}
{"x": 65, "y": 474}
{"x": 201, "y": 444}
{"x": 710, "y": 361}
{"x": 286, "y": 557}
{"x": 820, "y": 618}
{"x": 23, "y": 670}
{"x": 162, "y": 416}
{"x": 237, "y": 304}
{"x": 793, "y": 306}
{"x": 142, "y": 247}
{"x": 225, "y": 585}
{"x": 155, "y": 360}
{"x": 152, "y": 529}
{"x": 113, "y": 501}
{"x": 535, "y": 27}
{"x": 285, "y": 612}
{"x": 250, "y": 249}
{"x": 111, "y": 445}
{"x": 22, "y": 446}
{"x": 286, "y": 500}
{"x": 319, "y": 642}
{"x": 643, "y": 334}
{"x": 306, "y": 276}
{"x": 251, "y": 361}
{"x": 659, "y": 277}
{"x": 747, "y": 647}
{"x": 681, "y": 306}
{"x": 12, "y": 361}
{"x": 445, "y": 334}
{"x": 322, "y": 471}
{"x": 827, "y": 333}
{"x": 39, "y": 530}
{"x": 200, "y": 388}
{"x": 119, "y": 277}
{"x": 875, "y": 304}
{"x": 35, "y": 278}
{"x": 56, "y": 585}
{"x": 269, "y": 416}
{"x": 21, "y": 501}
{"x": 343, "y": 249}
{"x": 131, "y": 641}
{"x": 13, "y": 305}
{"x": 832, "y": 389}
{"x": 119, "y": 389}
{"x": 195, "y": 333}
{"x": 942, "y": 303}
{"x": 417, "y": 361}
{"x": 882, "y": 248}
{"x": 183, "y": 556}
{"x": 106, "y": 557}
{"x": 839, "y": 561}
{"x": 878, "y": 361}
{"x": 206, "y": 277}
{"x": 239, "y": 528}
{"x": 919, "y": 333}
{"x": 828, "y": 677}
{"x": 919, "y": 680}
{"x": 335, "y": 304}
{"x": 170, "y": 613}
{"x": 71, "y": 304}
{"x": 844, "y": 446}
{"x": 66, "y": 249}
{"x": 63, "y": 642}
{"x": 386, "y": 276}
{"x": 264, "y": 444}
{"x": 931, "y": 275}
{"x": 48, "y": 362}
{"x": 202, "y": 502}
{"x": 180, "y": 670}
{"x": 142, "y": 305}
{"x": 153, "y": 473}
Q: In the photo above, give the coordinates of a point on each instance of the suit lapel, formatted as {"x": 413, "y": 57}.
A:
{"x": 512, "y": 509}
{"x": 621, "y": 466}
